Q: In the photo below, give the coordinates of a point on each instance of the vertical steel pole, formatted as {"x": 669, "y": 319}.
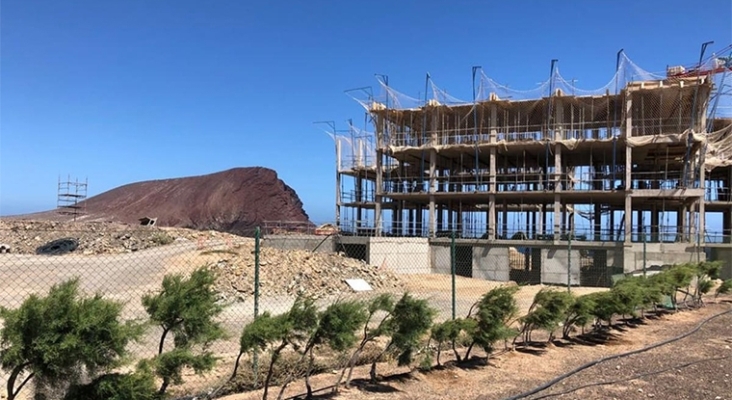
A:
{"x": 569, "y": 263}
{"x": 644, "y": 251}
{"x": 255, "y": 358}
{"x": 453, "y": 272}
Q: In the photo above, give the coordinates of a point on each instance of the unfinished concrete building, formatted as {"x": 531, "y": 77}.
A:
{"x": 643, "y": 161}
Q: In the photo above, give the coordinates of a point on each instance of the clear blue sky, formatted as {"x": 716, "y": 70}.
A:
{"x": 123, "y": 91}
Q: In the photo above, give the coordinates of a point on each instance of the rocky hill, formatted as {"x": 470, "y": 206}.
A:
{"x": 234, "y": 201}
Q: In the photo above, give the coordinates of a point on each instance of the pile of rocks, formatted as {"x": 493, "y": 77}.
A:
{"x": 293, "y": 272}
{"x": 53, "y": 237}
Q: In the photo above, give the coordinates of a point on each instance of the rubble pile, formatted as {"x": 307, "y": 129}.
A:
{"x": 87, "y": 238}
{"x": 293, "y": 272}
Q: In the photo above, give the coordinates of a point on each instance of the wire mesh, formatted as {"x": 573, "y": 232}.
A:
{"x": 449, "y": 272}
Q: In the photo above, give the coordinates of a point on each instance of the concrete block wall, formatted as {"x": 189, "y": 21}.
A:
{"x": 659, "y": 254}
{"x": 321, "y": 244}
{"x": 402, "y": 255}
{"x": 440, "y": 259}
{"x": 725, "y": 256}
{"x": 554, "y": 266}
{"x": 491, "y": 263}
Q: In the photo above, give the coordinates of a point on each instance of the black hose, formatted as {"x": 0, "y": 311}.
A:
{"x": 601, "y": 360}
{"x": 632, "y": 378}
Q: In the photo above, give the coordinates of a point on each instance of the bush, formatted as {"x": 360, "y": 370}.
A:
{"x": 57, "y": 338}
{"x": 162, "y": 238}
{"x": 410, "y": 319}
{"x": 724, "y": 288}
{"x": 336, "y": 328}
{"x": 579, "y": 314}
{"x": 138, "y": 385}
{"x": 185, "y": 309}
{"x": 452, "y": 331}
{"x": 382, "y": 303}
{"x": 548, "y": 310}
{"x": 495, "y": 310}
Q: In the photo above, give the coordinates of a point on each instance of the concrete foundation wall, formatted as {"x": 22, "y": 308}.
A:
{"x": 554, "y": 266}
{"x": 401, "y": 255}
{"x": 725, "y": 256}
{"x": 491, "y": 263}
{"x": 440, "y": 259}
{"x": 659, "y": 254}
{"x": 321, "y": 244}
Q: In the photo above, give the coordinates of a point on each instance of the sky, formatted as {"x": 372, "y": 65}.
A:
{"x": 124, "y": 91}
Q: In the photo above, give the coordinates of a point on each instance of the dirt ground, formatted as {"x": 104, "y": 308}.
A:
{"x": 697, "y": 367}
{"x": 127, "y": 276}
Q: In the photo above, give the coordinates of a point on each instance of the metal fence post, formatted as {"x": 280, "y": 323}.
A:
{"x": 569, "y": 263}
{"x": 698, "y": 247}
{"x": 255, "y": 356}
{"x": 453, "y": 272}
{"x": 645, "y": 240}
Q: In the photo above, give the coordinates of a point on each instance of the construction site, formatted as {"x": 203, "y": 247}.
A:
{"x": 643, "y": 161}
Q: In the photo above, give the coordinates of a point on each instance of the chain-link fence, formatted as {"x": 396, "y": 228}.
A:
{"x": 266, "y": 270}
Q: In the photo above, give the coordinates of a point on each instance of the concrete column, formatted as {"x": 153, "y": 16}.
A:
{"x": 628, "y": 219}
{"x": 597, "y": 219}
{"x": 628, "y": 200}
{"x": 558, "y": 168}
{"x": 655, "y": 228}
{"x": 543, "y": 225}
{"x": 613, "y": 236}
{"x": 557, "y": 216}
{"x": 359, "y": 199}
{"x": 433, "y": 189}
{"x": 628, "y": 167}
{"x": 450, "y": 216}
{"x": 693, "y": 210}
{"x": 492, "y": 170}
{"x": 494, "y": 124}
{"x": 418, "y": 228}
{"x": 459, "y": 218}
{"x": 410, "y": 222}
{"x": 378, "y": 193}
{"x": 682, "y": 222}
{"x": 491, "y": 217}
{"x": 558, "y": 118}
{"x": 504, "y": 220}
{"x": 727, "y": 225}
{"x": 702, "y": 200}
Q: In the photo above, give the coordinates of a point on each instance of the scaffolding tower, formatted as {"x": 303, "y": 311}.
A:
{"x": 71, "y": 196}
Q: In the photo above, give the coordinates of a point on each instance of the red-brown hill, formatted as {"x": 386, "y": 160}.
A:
{"x": 235, "y": 200}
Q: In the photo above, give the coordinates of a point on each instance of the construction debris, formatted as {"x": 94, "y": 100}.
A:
{"x": 293, "y": 272}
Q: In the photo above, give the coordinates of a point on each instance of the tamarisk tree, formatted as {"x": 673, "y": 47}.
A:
{"x": 185, "y": 309}
{"x": 58, "y": 338}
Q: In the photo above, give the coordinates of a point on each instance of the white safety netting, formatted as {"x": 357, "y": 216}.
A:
{"x": 487, "y": 88}
{"x": 356, "y": 148}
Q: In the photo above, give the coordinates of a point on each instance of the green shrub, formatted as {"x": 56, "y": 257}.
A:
{"x": 451, "y": 331}
{"x": 383, "y": 303}
{"x": 579, "y": 314}
{"x": 724, "y": 288}
{"x": 495, "y": 310}
{"x": 162, "y": 238}
{"x": 138, "y": 385}
{"x": 336, "y": 328}
{"x": 410, "y": 319}
{"x": 185, "y": 308}
{"x": 548, "y": 310}
{"x": 57, "y": 338}
{"x": 296, "y": 325}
